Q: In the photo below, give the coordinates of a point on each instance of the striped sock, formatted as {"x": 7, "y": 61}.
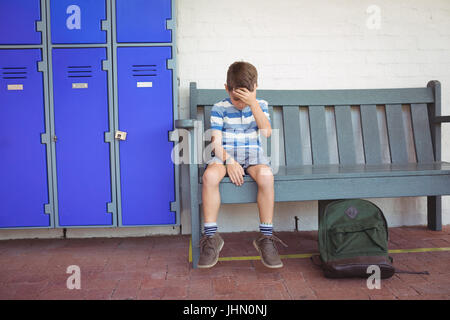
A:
{"x": 266, "y": 229}
{"x": 210, "y": 228}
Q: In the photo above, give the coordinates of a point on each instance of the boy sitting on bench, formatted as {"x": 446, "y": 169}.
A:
{"x": 235, "y": 125}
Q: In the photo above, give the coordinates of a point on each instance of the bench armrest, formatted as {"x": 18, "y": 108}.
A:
{"x": 185, "y": 123}
{"x": 440, "y": 119}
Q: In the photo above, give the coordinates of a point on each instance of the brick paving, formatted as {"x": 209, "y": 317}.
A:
{"x": 157, "y": 267}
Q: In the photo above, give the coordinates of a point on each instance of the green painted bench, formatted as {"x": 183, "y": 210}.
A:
{"x": 323, "y": 179}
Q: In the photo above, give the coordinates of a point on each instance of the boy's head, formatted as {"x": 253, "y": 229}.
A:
{"x": 241, "y": 75}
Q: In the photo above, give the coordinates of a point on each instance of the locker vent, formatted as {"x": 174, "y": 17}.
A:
{"x": 144, "y": 70}
{"x": 79, "y": 71}
{"x": 14, "y": 72}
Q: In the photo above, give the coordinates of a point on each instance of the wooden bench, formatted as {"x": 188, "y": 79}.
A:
{"x": 323, "y": 178}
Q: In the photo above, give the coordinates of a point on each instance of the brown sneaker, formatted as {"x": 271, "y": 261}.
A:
{"x": 209, "y": 250}
{"x": 268, "y": 251}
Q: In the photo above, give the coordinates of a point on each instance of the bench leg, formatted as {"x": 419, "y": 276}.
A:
{"x": 195, "y": 235}
{"x": 434, "y": 213}
{"x": 194, "y": 202}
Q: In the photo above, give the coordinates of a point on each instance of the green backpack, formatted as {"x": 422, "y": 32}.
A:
{"x": 353, "y": 235}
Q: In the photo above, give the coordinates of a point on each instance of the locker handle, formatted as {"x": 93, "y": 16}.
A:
{"x": 54, "y": 138}
{"x": 40, "y": 26}
{"x": 105, "y": 25}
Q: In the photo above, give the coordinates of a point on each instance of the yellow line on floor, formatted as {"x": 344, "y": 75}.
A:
{"x": 418, "y": 250}
{"x": 307, "y": 255}
{"x": 190, "y": 250}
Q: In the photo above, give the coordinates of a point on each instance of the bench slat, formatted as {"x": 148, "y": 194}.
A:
{"x": 396, "y": 133}
{"x": 344, "y": 188}
{"x": 206, "y": 126}
{"x": 422, "y": 133}
{"x": 292, "y": 145}
{"x": 371, "y": 134}
{"x": 269, "y": 140}
{"x": 319, "y": 136}
{"x": 207, "y": 117}
{"x": 359, "y": 170}
{"x": 345, "y": 138}
{"x": 328, "y": 97}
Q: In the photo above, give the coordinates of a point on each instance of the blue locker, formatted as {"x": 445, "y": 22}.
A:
{"x": 18, "y": 21}
{"x": 143, "y": 20}
{"x": 81, "y": 119}
{"x": 23, "y": 164}
{"x": 77, "y": 21}
{"x": 145, "y": 102}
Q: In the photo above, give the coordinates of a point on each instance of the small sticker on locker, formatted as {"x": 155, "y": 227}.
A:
{"x": 15, "y": 86}
{"x": 79, "y": 85}
{"x": 121, "y": 135}
{"x": 145, "y": 84}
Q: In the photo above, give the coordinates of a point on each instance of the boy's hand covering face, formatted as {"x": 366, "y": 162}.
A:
{"x": 246, "y": 96}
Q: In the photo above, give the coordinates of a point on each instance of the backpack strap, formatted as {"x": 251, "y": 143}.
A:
{"x": 411, "y": 272}
{"x": 407, "y": 271}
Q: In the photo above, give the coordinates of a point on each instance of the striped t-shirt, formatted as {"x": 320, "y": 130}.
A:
{"x": 239, "y": 128}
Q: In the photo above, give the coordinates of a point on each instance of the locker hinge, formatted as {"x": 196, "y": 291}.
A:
{"x": 48, "y": 208}
{"x": 171, "y": 64}
{"x": 109, "y": 137}
{"x": 170, "y": 24}
{"x": 173, "y": 136}
{"x": 173, "y": 206}
{"x": 40, "y": 26}
{"x": 45, "y": 138}
{"x": 106, "y": 26}
{"x": 42, "y": 66}
{"x": 111, "y": 208}
{"x": 106, "y": 65}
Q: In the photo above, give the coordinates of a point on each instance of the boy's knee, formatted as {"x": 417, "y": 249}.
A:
{"x": 264, "y": 177}
{"x": 211, "y": 177}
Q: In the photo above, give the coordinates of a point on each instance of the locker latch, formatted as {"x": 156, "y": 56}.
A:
{"x": 121, "y": 135}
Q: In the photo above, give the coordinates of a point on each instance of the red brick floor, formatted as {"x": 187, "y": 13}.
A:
{"x": 158, "y": 268}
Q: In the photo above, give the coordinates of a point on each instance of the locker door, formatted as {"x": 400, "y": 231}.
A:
{"x": 145, "y": 113}
{"x": 143, "y": 20}
{"x": 81, "y": 119}
{"x": 77, "y": 21}
{"x": 23, "y": 164}
{"x": 18, "y": 22}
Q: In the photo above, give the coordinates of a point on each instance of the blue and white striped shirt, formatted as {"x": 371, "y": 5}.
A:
{"x": 239, "y": 128}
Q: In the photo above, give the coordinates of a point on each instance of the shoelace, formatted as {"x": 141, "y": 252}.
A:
{"x": 206, "y": 242}
{"x": 274, "y": 239}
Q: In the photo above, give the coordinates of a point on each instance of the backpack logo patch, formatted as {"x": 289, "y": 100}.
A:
{"x": 351, "y": 212}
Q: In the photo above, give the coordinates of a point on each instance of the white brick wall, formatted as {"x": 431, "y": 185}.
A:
{"x": 325, "y": 44}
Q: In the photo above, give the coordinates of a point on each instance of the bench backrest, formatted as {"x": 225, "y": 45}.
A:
{"x": 351, "y": 126}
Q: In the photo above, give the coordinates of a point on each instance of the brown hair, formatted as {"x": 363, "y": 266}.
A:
{"x": 242, "y": 75}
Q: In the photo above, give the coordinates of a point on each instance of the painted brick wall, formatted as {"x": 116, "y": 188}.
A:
{"x": 325, "y": 44}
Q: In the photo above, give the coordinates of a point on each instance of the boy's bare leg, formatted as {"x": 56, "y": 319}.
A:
{"x": 211, "y": 243}
{"x": 266, "y": 194}
{"x": 265, "y": 244}
{"x": 212, "y": 176}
